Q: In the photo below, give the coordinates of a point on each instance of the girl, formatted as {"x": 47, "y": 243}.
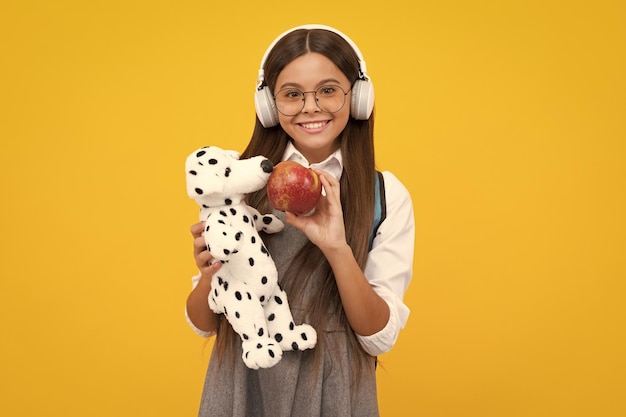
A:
{"x": 314, "y": 106}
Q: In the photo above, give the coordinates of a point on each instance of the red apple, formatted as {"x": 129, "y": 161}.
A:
{"x": 293, "y": 187}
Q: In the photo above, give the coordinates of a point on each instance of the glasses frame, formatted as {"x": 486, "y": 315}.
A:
{"x": 314, "y": 92}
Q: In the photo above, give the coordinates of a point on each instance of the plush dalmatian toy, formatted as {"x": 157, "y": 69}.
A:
{"x": 245, "y": 289}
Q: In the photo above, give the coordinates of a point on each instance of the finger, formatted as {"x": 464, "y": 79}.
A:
{"x": 204, "y": 258}
{"x": 327, "y": 175}
{"x": 331, "y": 187}
{"x": 206, "y": 263}
{"x": 327, "y": 180}
{"x": 199, "y": 245}
{"x": 211, "y": 269}
{"x": 299, "y": 222}
{"x": 197, "y": 229}
{"x": 291, "y": 218}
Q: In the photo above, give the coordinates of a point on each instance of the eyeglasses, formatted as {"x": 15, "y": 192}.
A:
{"x": 328, "y": 98}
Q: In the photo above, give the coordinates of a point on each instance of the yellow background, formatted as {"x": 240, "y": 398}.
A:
{"x": 505, "y": 120}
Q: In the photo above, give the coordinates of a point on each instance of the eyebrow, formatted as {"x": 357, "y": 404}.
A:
{"x": 322, "y": 82}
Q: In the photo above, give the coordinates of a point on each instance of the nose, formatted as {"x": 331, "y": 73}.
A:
{"x": 267, "y": 166}
{"x": 311, "y": 104}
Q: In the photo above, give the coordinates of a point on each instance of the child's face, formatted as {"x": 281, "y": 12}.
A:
{"x": 314, "y": 131}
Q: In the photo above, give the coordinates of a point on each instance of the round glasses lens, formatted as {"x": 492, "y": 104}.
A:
{"x": 329, "y": 98}
{"x": 289, "y": 101}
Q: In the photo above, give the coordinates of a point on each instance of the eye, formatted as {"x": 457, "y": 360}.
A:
{"x": 327, "y": 90}
{"x": 290, "y": 94}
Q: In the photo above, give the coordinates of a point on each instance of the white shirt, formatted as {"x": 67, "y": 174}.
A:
{"x": 389, "y": 265}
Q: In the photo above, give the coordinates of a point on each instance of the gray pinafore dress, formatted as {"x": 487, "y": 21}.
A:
{"x": 292, "y": 388}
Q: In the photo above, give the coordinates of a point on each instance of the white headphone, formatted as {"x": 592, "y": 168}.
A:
{"x": 362, "y": 92}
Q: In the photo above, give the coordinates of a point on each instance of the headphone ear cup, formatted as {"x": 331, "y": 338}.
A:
{"x": 265, "y": 107}
{"x": 362, "y": 100}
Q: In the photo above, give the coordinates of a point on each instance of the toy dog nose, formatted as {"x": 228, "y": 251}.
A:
{"x": 267, "y": 166}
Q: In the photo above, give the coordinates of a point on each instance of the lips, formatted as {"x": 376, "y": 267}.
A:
{"x": 314, "y": 125}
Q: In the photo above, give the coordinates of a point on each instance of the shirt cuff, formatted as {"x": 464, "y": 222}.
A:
{"x": 382, "y": 341}
{"x": 194, "y": 281}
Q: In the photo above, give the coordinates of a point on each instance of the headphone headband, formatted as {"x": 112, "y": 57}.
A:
{"x": 362, "y": 67}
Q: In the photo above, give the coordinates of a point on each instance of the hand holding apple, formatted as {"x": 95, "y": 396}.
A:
{"x": 293, "y": 187}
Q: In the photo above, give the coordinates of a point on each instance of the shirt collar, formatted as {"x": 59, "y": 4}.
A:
{"x": 333, "y": 164}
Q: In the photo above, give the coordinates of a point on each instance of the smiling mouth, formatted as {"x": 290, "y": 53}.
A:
{"x": 314, "y": 125}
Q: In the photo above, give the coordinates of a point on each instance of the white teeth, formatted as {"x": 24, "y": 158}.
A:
{"x": 315, "y": 125}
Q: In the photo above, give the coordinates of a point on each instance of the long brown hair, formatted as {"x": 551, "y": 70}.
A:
{"x": 357, "y": 183}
